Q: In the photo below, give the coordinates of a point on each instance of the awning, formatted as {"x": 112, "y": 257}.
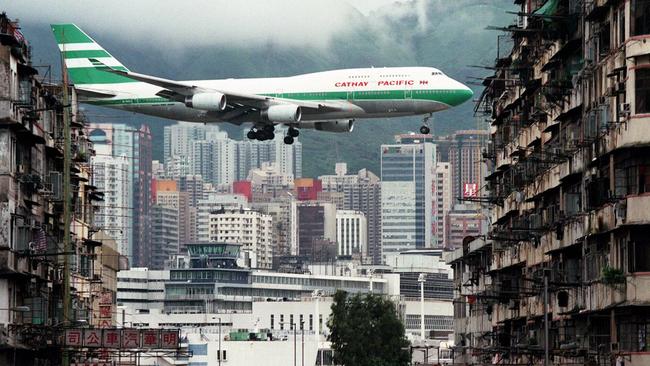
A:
{"x": 549, "y": 8}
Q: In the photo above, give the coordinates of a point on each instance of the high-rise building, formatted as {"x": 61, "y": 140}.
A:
{"x": 252, "y": 229}
{"x": 164, "y": 235}
{"x": 194, "y": 186}
{"x": 351, "y": 233}
{"x": 214, "y": 160}
{"x": 463, "y": 221}
{"x": 317, "y": 230}
{"x": 178, "y": 138}
{"x": 121, "y": 140}
{"x": 111, "y": 176}
{"x": 141, "y": 162}
{"x": 361, "y": 192}
{"x": 213, "y": 202}
{"x": 268, "y": 182}
{"x": 406, "y": 193}
{"x": 442, "y": 193}
{"x": 283, "y": 211}
{"x": 253, "y": 154}
{"x": 467, "y": 163}
{"x": 177, "y": 166}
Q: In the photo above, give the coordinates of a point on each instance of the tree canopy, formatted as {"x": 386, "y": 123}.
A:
{"x": 365, "y": 331}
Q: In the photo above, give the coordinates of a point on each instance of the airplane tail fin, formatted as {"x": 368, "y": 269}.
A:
{"x": 77, "y": 49}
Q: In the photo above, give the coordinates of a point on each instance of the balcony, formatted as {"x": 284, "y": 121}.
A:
{"x": 637, "y": 288}
{"x": 599, "y": 296}
{"x": 635, "y": 210}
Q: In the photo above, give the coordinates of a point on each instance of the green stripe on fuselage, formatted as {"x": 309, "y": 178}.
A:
{"x": 448, "y": 97}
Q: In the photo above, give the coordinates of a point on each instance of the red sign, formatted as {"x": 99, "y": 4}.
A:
{"x": 73, "y": 337}
{"x": 111, "y": 338}
{"x": 169, "y": 339}
{"x": 151, "y": 338}
{"x": 470, "y": 190}
{"x": 92, "y": 337}
{"x": 105, "y": 311}
{"x": 130, "y": 338}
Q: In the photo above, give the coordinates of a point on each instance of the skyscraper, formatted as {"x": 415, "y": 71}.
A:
{"x": 178, "y": 138}
{"x": 465, "y": 156}
{"x": 362, "y": 192}
{"x": 442, "y": 192}
{"x": 142, "y": 195}
{"x": 351, "y": 231}
{"x": 134, "y": 144}
{"x": 214, "y": 160}
{"x": 111, "y": 176}
{"x": 406, "y": 193}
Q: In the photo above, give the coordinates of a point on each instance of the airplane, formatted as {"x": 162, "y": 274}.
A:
{"x": 327, "y": 101}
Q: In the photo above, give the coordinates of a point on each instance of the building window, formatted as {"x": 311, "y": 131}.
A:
{"x": 640, "y": 10}
{"x": 642, "y": 90}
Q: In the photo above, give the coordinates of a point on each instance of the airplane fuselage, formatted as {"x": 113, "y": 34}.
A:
{"x": 359, "y": 93}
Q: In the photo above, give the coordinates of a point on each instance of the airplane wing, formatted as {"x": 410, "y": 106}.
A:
{"x": 176, "y": 90}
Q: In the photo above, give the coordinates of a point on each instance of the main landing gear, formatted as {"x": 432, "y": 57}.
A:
{"x": 425, "y": 130}
{"x": 291, "y": 134}
{"x": 267, "y": 132}
{"x": 262, "y": 134}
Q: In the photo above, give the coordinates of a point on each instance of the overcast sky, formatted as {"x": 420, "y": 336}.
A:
{"x": 292, "y": 22}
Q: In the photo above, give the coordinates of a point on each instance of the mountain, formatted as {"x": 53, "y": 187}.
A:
{"x": 449, "y": 35}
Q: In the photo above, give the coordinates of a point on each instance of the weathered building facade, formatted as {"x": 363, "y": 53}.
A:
{"x": 32, "y": 211}
{"x": 570, "y": 129}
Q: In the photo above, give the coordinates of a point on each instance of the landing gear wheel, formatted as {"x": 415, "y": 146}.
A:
{"x": 293, "y": 132}
{"x": 288, "y": 140}
{"x": 252, "y": 135}
{"x": 425, "y": 130}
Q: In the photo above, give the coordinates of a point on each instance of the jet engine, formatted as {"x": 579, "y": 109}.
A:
{"x": 341, "y": 125}
{"x": 214, "y": 102}
{"x": 284, "y": 113}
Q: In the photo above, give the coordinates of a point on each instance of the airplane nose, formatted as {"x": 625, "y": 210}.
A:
{"x": 462, "y": 94}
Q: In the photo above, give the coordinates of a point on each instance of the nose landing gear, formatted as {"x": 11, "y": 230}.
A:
{"x": 425, "y": 130}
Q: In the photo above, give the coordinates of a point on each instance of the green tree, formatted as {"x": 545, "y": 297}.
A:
{"x": 365, "y": 331}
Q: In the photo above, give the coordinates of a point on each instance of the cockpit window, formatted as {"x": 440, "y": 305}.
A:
{"x": 436, "y": 73}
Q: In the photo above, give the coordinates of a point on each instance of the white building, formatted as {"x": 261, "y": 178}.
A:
{"x": 213, "y": 202}
{"x": 111, "y": 176}
{"x": 140, "y": 290}
{"x": 443, "y": 198}
{"x": 351, "y": 233}
{"x": 252, "y": 229}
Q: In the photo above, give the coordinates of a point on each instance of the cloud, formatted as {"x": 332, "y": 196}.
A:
{"x": 204, "y": 22}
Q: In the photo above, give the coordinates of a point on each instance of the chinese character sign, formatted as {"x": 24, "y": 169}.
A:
{"x": 73, "y": 337}
{"x": 130, "y": 338}
{"x": 111, "y": 338}
{"x": 470, "y": 190}
{"x": 169, "y": 339}
{"x": 92, "y": 337}
{"x": 150, "y": 338}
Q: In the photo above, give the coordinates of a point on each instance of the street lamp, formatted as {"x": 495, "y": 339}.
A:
{"x": 422, "y": 279}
